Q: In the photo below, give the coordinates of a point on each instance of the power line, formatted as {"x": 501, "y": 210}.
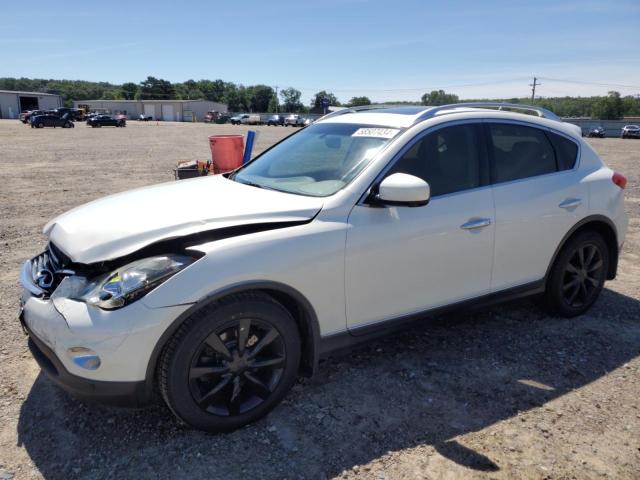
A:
{"x": 582, "y": 82}
{"x": 418, "y": 89}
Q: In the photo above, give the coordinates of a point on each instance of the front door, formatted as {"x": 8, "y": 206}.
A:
{"x": 404, "y": 260}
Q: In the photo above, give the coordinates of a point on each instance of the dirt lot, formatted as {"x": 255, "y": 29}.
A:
{"x": 505, "y": 393}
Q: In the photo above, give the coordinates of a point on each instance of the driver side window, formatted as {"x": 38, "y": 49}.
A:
{"x": 448, "y": 159}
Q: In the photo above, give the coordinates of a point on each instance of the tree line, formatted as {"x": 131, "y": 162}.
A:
{"x": 263, "y": 98}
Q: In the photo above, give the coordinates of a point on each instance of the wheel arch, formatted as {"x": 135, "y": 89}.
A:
{"x": 605, "y": 227}
{"x": 295, "y": 302}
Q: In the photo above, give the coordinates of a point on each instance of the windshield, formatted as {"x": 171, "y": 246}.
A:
{"x": 319, "y": 160}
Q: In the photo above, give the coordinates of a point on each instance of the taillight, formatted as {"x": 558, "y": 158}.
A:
{"x": 619, "y": 179}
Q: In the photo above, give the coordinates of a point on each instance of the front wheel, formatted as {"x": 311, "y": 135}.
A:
{"x": 231, "y": 362}
{"x": 578, "y": 275}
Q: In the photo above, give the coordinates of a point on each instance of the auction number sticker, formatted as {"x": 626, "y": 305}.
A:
{"x": 376, "y": 132}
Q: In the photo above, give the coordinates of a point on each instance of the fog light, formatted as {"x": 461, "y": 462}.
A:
{"x": 84, "y": 357}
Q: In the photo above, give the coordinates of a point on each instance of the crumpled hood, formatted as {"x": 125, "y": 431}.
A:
{"x": 120, "y": 224}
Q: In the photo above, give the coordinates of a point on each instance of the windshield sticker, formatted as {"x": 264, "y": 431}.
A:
{"x": 376, "y": 132}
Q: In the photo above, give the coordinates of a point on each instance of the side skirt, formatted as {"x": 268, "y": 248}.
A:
{"x": 358, "y": 335}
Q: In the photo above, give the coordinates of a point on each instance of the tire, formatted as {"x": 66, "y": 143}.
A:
{"x": 40, "y": 125}
{"x": 576, "y": 279}
{"x": 68, "y": 125}
{"x": 230, "y": 391}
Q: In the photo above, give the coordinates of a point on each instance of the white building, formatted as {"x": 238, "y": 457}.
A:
{"x": 167, "y": 110}
{"x": 13, "y": 102}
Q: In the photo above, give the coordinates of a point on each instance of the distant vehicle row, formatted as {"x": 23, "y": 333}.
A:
{"x": 72, "y": 114}
{"x": 293, "y": 120}
{"x": 628, "y": 131}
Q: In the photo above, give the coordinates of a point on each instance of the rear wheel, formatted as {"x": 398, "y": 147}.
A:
{"x": 230, "y": 363}
{"x": 578, "y": 275}
{"x": 40, "y": 125}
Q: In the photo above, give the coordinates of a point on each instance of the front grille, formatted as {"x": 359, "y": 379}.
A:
{"x": 48, "y": 268}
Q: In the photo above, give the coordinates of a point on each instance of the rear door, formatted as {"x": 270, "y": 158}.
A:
{"x": 404, "y": 260}
{"x": 538, "y": 197}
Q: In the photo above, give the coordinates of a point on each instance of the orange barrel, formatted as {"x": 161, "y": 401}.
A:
{"x": 226, "y": 152}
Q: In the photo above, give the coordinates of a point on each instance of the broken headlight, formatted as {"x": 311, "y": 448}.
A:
{"x": 132, "y": 281}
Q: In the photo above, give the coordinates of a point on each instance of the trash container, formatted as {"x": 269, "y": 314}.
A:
{"x": 226, "y": 152}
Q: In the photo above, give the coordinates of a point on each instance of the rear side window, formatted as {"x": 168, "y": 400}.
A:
{"x": 447, "y": 159}
{"x": 566, "y": 151}
{"x": 520, "y": 152}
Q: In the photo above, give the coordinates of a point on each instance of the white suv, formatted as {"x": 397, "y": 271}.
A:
{"x": 220, "y": 291}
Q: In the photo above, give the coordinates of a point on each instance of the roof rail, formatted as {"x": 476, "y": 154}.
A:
{"x": 361, "y": 108}
{"x": 539, "y": 111}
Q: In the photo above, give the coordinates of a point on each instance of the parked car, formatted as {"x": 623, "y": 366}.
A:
{"x": 596, "y": 132}
{"x": 51, "y": 120}
{"x": 350, "y": 228}
{"x": 294, "y": 120}
{"x": 211, "y": 117}
{"x": 144, "y": 118}
{"x": 75, "y": 114}
{"x": 27, "y": 114}
{"x": 102, "y": 120}
{"x": 630, "y": 131}
{"x": 308, "y": 121}
{"x": 246, "y": 119}
{"x": 275, "y": 120}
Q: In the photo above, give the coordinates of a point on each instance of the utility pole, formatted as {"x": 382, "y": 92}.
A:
{"x": 533, "y": 88}
{"x": 276, "y": 87}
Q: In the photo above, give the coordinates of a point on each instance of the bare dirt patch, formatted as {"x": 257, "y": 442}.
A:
{"x": 505, "y": 393}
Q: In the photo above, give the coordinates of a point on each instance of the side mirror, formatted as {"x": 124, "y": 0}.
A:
{"x": 403, "y": 190}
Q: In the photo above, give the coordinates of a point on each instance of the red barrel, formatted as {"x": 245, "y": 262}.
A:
{"x": 226, "y": 152}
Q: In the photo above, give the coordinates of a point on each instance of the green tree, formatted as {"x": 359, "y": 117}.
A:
{"x": 316, "y": 101}
{"x": 291, "y": 100}
{"x": 259, "y": 97}
{"x": 157, "y": 89}
{"x": 609, "y": 107}
{"x": 359, "y": 101}
{"x": 235, "y": 97}
{"x": 273, "y": 105}
{"x": 439, "y": 97}
{"x": 129, "y": 90}
{"x": 213, "y": 91}
{"x": 631, "y": 106}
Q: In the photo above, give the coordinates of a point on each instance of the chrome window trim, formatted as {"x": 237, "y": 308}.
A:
{"x": 480, "y": 121}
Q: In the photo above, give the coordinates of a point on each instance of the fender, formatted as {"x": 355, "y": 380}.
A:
{"x": 308, "y": 324}
{"x": 613, "y": 249}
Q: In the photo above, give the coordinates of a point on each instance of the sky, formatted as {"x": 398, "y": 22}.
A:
{"x": 386, "y": 50}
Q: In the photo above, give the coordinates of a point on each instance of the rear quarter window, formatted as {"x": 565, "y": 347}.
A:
{"x": 566, "y": 151}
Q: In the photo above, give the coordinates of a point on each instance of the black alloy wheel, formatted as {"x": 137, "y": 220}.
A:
{"x": 582, "y": 276}
{"x": 577, "y": 275}
{"x": 230, "y": 362}
{"x": 237, "y": 368}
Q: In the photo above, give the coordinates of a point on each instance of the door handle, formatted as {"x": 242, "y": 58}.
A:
{"x": 570, "y": 203}
{"x": 475, "y": 223}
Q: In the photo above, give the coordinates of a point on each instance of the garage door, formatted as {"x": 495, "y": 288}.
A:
{"x": 167, "y": 113}
{"x": 150, "y": 110}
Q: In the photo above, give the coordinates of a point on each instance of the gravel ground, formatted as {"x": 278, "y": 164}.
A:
{"x": 504, "y": 393}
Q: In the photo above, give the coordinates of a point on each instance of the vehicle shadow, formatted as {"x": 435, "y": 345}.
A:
{"x": 425, "y": 386}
